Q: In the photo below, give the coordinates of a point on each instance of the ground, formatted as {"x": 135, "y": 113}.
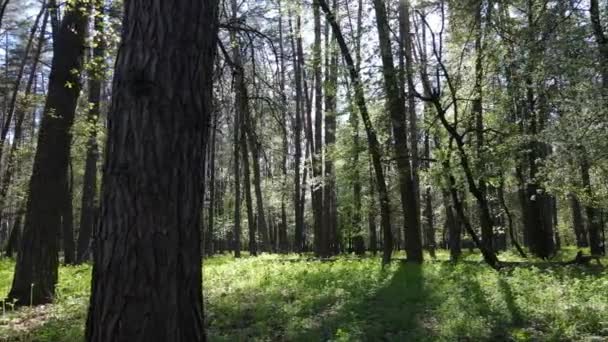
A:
{"x": 291, "y": 298}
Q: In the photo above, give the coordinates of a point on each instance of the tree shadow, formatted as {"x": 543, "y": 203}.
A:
{"x": 395, "y": 312}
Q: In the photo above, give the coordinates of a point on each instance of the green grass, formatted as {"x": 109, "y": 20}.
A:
{"x": 273, "y": 298}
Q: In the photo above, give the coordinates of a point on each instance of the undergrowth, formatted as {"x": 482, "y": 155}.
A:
{"x": 291, "y": 298}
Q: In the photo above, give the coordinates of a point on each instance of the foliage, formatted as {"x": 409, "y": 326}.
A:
{"x": 292, "y": 298}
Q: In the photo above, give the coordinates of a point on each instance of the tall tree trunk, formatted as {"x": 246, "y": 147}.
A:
{"x": 147, "y": 276}
{"x": 283, "y": 242}
{"x": 485, "y": 220}
{"x": 36, "y": 269}
{"x": 317, "y": 153}
{"x": 407, "y": 51}
{"x": 241, "y": 104}
{"x": 330, "y": 217}
{"x": 374, "y": 145}
{"x": 396, "y": 108}
{"x": 297, "y": 62}
{"x": 89, "y": 186}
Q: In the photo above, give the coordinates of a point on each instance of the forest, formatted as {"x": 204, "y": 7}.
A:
{"x": 315, "y": 170}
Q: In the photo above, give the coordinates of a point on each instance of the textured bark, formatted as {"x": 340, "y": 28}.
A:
{"x": 396, "y": 109}
{"x": 89, "y": 186}
{"x": 578, "y": 225}
{"x": 38, "y": 259}
{"x": 372, "y": 139}
{"x": 147, "y": 276}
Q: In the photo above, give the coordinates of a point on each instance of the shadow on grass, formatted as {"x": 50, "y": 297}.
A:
{"x": 395, "y": 312}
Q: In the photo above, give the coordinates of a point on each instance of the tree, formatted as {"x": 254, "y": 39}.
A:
{"x": 372, "y": 139}
{"x": 89, "y": 187}
{"x": 397, "y": 110}
{"x": 147, "y": 274}
{"x": 36, "y": 269}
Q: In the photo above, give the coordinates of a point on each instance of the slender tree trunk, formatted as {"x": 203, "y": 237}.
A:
{"x": 257, "y": 185}
{"x": 251, "y": 224}
{"x": 147, "y": 275}
{"x": 282, "y": 234}
{"x": 20, "y": 112}
{"x": 396, "y": 108}
{"x": 512, "y": 235}
{"x": 330, "y": 218}
{"x": 12, "y": 105}
{"x": 297, "y": 62}
{"x": 374, "y": 145}
{"x": 242, "y": 107}
{"x": 577, "y": 221}
{"x": 317, "y": 153}
{"x": 38, "y": 259}
{"x": 89, "y": 187}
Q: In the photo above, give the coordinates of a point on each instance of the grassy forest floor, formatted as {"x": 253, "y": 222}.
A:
{"x": 275, "y": 298}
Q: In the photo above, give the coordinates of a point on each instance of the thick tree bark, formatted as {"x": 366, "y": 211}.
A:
{"x": 374, "y": 145}
{"x": 36, "y": 268}
{"x": 89, "y": 186}
{"x": 396, "y": 109}
{"x": 147, "y": 276}
{"x": 578, "y": 225}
